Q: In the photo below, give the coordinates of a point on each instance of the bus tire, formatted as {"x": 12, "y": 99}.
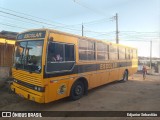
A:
{"x": 125, "y": 76}
{"x": 77, "y": 90}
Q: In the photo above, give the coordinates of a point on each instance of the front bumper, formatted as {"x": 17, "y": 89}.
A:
{"x": 26, "y": 93}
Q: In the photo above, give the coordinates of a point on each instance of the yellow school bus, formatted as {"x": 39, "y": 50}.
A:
{"x": 50, "y": 65}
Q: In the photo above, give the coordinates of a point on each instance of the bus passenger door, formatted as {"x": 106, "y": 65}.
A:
{"x": 60, "y": 61}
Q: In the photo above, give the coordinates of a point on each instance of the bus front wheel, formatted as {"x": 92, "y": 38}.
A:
{"x": 77, "y": 90}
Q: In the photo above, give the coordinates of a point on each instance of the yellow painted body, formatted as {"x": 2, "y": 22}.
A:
{"x": 52, "y": 85}
{"x": 3, "y": 40}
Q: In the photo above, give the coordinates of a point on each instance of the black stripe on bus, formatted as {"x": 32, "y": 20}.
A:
{"x": 89, "y": 68}
{"x": 28, "y": 85}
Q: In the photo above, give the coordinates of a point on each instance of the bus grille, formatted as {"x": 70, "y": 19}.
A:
{"x": 28, "y": 78}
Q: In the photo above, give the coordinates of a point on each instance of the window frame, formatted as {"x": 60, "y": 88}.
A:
{"x": 62, "y": 71}
{"x": 122, "y": 53}
{"x": 113, "y": 52}
{"x": 87, "y": 50}
{"x": 106, "y": 53}
{"x": 134, "y": 53}
{"x": 24, "y": 53}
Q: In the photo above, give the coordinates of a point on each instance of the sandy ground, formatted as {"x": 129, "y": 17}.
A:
{"x": 133, "y": 95}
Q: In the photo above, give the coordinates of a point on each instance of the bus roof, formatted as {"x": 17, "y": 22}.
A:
{"x": 78, "y": 36}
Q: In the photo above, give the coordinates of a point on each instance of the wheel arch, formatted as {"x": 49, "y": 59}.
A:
{"x": 84, "y": 81}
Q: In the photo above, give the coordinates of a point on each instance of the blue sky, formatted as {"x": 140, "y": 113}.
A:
{"x": 139, "y": 20}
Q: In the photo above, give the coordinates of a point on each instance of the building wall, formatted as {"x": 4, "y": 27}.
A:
{"x": 6, "y": 57}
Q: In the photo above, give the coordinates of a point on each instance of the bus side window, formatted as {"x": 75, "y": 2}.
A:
{"x": 86, "y": 50}
{"x": 102, "y": 51}
{"x": 60, "y": 57}
{"x": 69, "y": 53}
{"x": 55, "y": 52}
{"x": 121, "y": 53}
{"x": 113, "y": 52}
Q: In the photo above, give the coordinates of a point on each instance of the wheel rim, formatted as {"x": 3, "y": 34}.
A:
{"x": 78, "y": 90}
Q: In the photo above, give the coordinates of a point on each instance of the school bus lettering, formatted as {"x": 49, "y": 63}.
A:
{"x": 102, "y": 66}
{"x": 108, "y": 66}
{"x": 28, "y": 36}
{"x": 31, "y": 35}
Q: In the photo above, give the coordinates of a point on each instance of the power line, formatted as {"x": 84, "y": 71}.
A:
{"x": 26, "y": 18}
{"x": 64, "y": 26}
{"x": 3, "y": 16}
{"x": 12, "y": 26}
{"x": 36, "y": 20}
{"x": 29, "y": 15}
{"x": 101, "y": 33}
{"x": 137, "y": 35}
{"x": 138, "y": 32}
{"x": 138, "y": 40}
{"x": 141, "y": 35}
{"x": 97, "y": 21}
{"x": 90, "y": 22}
{"x": 91, "y": 9}
{"x": 106, "y": 35}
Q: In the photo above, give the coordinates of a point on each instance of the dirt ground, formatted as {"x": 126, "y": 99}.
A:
{"x": 134, "y": 95}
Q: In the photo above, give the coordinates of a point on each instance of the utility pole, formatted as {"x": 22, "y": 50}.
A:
{"x": 117, "y": 32}
{"x": 82, "y": 29}
{"x": 150, "y": 54}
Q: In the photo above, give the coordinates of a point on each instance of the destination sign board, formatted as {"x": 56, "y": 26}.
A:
{"x": 31, "y": 35}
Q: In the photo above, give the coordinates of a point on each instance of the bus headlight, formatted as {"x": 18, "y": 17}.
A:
{"x": 39, "y": 89}
{"x": 35, "y": 88}
{"x": 15, "y": 80}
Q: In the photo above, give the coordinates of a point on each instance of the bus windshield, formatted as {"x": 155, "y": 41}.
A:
{"x": 28, "y": 55}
